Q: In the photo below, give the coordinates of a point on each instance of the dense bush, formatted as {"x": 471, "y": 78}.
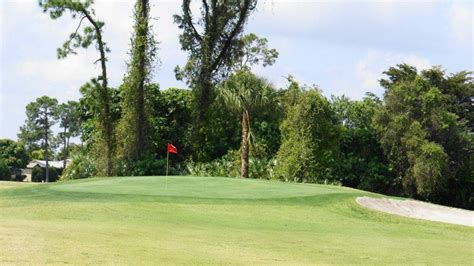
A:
{"x": 222, "y": 131}
{"x": 430, "y": 170}
{"x": 150, "y": 166}
{"x": 13, "y": 157}
{"x": 426, "y": 137}
{"x": 361, "y": 163}
{"x": 81, "y": 166}
{"x": 310, "y": 140}
{"x": 13, "y": 154}
{"x": 260, "y": 167}
{"x": 171, "y": 122}
{"x": 226, "y": 166}
{"x": 39, "y": 174}
{"x": 4, "y": 170}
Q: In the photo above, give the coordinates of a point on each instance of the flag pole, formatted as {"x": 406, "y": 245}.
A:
{"x": 167, "y": 160}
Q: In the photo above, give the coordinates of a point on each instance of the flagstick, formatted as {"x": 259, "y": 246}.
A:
{"x": 167, "y": 163}
{"x": 167, "y": 159}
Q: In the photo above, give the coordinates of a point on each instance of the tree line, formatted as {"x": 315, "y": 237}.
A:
{"x": 417, "y": 140}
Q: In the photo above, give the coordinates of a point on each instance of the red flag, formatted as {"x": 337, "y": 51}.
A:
{"x": 172, "y": 149}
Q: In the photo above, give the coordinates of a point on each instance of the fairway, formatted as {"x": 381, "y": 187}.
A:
{"x": 150, "y": 220}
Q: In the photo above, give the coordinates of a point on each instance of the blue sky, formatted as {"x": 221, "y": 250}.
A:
{"x": 341, "y": 46}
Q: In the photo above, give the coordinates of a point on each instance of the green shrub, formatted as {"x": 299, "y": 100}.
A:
{"x": 376, "y": 177}
{"x": 429, "y": 170}
{"x": 81, "y": 166}
{"x": 145, "y": 167}
{"x": 150, "y": 166}
{"x": 4, "y": 171}
{"x": 262, "y": 168}
{"x": 13, "y": 154}
{"x": 39, "y": 174}
{"x": 229, "y": 165}
{"x": 310, "y": 141}
{"x": 225, "y": 166}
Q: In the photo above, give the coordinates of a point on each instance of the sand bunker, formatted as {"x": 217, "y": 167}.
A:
{"x": 419, "y": 210}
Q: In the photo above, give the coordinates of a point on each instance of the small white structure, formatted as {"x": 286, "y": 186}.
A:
{"x": 42, "y": 164}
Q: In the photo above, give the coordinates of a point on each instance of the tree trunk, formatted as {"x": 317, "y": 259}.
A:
{"x": 66, "y": 153}
{"x": 245, "y": 145}
{"x": 46, "y": 155}
{"x": 106, "y": 119}
{"x": 65, "y": 149}
{"x": 141, "y": 123}
{"x": 202, "y": 93}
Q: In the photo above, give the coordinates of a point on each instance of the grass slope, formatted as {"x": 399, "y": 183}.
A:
{"x": 212, "y": 220}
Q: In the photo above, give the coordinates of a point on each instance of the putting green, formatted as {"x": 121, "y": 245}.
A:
{"x": 198, "y": 187}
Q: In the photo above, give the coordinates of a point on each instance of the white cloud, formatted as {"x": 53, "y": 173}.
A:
{"x": 118, "y": 18}
{"x": 369, "y": 69}
{"x": 59, "y": 79}
{"x": 70, "y": 69}
{"x": 461, "y": 20}
{"x": 294, "y": 14}
{"x": 19, "y": 13}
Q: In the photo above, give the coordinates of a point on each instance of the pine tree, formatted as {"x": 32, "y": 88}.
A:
{"x": 39, "y": 120}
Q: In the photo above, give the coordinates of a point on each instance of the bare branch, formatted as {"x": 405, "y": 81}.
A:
{"x": 77, "y": 29}
{"x": 206, "y": 8}
{"x": 187, "y": 12}
{"x": 232, "y": 35}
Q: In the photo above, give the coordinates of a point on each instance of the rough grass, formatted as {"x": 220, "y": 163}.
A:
{"x": 150, "y": 220}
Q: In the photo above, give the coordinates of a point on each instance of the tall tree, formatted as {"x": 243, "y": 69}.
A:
{"x": 426, "y": 135}
{"x": 69, "y": 120}
{"x": 254, "y": 51}
{"x": 134, "y": 122}
{"x": 361, "y": 163}
{"x": 91, "y": 34}
{"x": 310, "y": 136}
{"x": 243, "y": 92}
{"x": 213, "y": 43}
{"x": 39, "y": 120}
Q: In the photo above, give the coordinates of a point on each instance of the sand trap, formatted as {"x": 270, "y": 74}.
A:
{"x": 419, "y": 210}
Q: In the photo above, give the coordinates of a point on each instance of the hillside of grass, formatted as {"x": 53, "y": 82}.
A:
{"x": 146, "y": 220}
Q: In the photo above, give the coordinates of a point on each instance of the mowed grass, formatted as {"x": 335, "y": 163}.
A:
{"x": 151, "y": 220}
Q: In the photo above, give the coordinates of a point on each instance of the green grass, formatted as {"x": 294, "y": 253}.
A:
{"x": 149, "y": 220}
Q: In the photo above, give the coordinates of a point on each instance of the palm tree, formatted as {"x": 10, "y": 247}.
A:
{"x": 243, "y": 92}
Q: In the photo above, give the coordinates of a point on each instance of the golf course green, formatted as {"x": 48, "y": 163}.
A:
{"x": 204, "y": 220}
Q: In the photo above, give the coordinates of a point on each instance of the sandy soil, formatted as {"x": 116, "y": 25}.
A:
{"x": 419, "y": 210}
